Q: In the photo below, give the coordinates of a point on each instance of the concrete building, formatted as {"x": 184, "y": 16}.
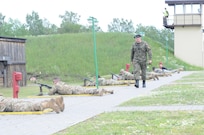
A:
{"x": 187, "y": 24}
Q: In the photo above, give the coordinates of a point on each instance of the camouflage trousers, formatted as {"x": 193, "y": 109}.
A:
{"x": 73, "y": 90}
{"x": 139, "y": 69}
{"x": 106, "y": 82}
{"x": 17, "y": 105}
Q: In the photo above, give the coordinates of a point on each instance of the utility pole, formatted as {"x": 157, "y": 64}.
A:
{"x": 93, "y": 21}
{"x": 167, "y": 49}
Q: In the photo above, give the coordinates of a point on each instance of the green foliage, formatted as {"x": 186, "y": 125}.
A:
{"x": 164, "y": 37}
{"x": 35, "y": 24}
{"x": 71, "y": 56}
{"x": 121, "y": 25}
{"x": 68, "y": 27}
{"x": 70, "y": 17}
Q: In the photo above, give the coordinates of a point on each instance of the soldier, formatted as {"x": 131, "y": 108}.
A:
{"x": 139, "y": 52}
{"x": 106, "y": 82}
{"x": 167, "y": 72}
{"x": 125, "y": 75}
{"x": 19, "y": 105}
{"x": 150, "y": 75}
{"x": 62, "y": 88}
{"x": 161, "y": 72}
{"x": 166, "y": 13}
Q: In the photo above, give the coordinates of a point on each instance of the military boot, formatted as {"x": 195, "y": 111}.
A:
{"x": 143, "y": 83}
{"x": 108, "y": 91}
{"x": 50, "y": 104}
{"x": 156, "y": 77}
{"x": 137, "y": 83}
{"x": 111, "y": 92}
{"x": 60, "y": 103}
{"x": 97, "y": 92}
{"x": 101, "y": 92}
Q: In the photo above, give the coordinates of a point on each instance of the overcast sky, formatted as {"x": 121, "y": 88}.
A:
{"x": 146, "y": 12}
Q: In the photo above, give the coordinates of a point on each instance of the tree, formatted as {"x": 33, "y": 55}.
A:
{"x": 35, "y": 24}
{"x": 2, "y": 17}
{"x": 70, "y": 17}
{"x": 49, "y": 28}
{"x": 121, "y": 25}
{"x": 70, "y": 23}
{"x": 68, "y": 27}
{"x": 17, "y": 28}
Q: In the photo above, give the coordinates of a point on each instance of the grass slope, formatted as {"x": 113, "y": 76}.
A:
{"x": 71, "y": 56}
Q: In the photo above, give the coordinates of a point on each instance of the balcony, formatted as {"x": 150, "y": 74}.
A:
{"x": 182, "y": 20}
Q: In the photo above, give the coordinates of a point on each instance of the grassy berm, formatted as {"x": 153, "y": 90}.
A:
{"x": 72, "y": 57}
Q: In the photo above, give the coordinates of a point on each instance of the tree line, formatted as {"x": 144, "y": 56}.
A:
{"x": 35, "y": 26}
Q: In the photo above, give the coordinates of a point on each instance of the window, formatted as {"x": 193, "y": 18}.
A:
{"x": 188, "y": 9}
{"x": 196, "y": 9}
{"x": 179, "y": 9}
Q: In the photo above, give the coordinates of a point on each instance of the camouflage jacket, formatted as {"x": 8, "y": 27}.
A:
{"x": 139, "y": 52}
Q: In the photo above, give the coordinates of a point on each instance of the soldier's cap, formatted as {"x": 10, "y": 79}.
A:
{"x": 137, "y": 36}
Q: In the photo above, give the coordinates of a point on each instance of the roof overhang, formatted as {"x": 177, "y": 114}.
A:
{"x": 179, "y": 2}
{"x": 12, "y": 39}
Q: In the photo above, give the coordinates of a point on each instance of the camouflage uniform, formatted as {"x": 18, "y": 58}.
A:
{"x": 62, "y": 88}
{"x": 151, "y": 75}
{"x": 139, "y": 53}
{"x": 125, "y": 75}
{"x": 161, "y": 72}
{"x": 165, "y": 72}
{"x": 19, "y": 105}
{"x": 106, "y": 82}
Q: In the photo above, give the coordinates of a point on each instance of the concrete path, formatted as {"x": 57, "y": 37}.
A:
{"x": 80, "y": 108}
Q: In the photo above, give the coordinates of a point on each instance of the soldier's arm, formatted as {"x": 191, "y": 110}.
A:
{"x": 132, "y": 54}
{"x": 149, "y": 51}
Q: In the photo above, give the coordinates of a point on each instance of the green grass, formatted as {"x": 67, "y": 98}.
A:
{"x": 141, "y": 123}
{"x": 24, "y": 92}
{"x": 182, "y": 92}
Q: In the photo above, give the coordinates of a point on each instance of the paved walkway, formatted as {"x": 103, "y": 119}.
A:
{"x": 80, "y": 108}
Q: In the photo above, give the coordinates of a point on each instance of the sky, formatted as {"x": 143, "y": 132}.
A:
{"x": 145, "y": 12}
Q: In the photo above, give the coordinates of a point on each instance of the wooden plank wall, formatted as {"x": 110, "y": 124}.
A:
{"x": 16, "y": 68}
{"x": 15, "y": 50}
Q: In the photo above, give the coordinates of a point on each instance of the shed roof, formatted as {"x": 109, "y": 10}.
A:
{"x": 177, "y": 2}
{"x": 12, "y": 39}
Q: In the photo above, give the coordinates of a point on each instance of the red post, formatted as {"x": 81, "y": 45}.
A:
{"x": 127, "y": 67}
{"x": 17, "y": 76}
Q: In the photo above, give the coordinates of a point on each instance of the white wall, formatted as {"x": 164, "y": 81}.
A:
{"x": 188, "y": 44}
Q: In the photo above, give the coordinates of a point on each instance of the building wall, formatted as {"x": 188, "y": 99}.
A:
{"x": 188, "y": 44}
{"x": 12, "y": 59}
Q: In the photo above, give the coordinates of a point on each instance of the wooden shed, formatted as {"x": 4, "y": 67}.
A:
{"x": 12, "y": 59}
